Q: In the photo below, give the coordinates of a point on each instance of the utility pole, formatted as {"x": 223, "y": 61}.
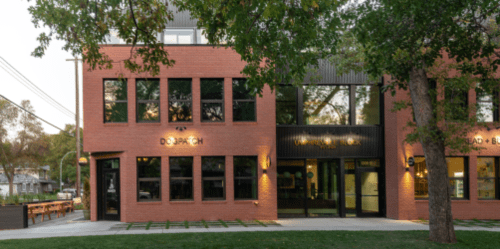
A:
{"x": 77, "y": 130}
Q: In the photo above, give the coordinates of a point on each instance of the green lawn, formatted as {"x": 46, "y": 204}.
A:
{"x": 285, "y": 239}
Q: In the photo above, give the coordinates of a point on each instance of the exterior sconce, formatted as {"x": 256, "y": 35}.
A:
{"x": 180, "y": 128}
{"x": 268, "y": 164}
{"x": 409, "y": 163}
{"x": 82, "y": 161}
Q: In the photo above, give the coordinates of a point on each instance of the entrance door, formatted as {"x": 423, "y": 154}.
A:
{"x": 361, "y": 180}
{"x": 108, "y": 189}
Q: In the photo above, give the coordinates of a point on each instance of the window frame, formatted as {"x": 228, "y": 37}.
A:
{"x": 465, "y": 179}
{"x": 184, "y": 101}
{"x": 496, "y": 166}
{"x": 217, "y": 178}
{"x": 222, "y": 101}
{"x": 494, "y": 101}
{"x": 194, "y": 37}
{"x": 116, "y": 101}
{"x": 256, "y": 177}
{"x": 181, "y": 178}
{"x": 254, "y": 100}
{"x": 297, "y": 93}
{"x": 148, "y": 179}
{"x": 141, "y": 101}
{"x": 351, "y": 103}
{"x": 466, "y": 106}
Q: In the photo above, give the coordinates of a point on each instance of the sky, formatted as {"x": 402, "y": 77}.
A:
{"x": 51, "y": 73}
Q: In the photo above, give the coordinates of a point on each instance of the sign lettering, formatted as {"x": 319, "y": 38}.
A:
{"x": 181, "y": 141}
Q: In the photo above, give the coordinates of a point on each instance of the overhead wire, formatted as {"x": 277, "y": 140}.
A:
{"x": 35, "y": 89}
{"x": 47, "y": 122}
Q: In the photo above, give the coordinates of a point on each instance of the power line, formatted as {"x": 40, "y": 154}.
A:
{"x": 40, "y": 93}
{"x": 20, "y": 107}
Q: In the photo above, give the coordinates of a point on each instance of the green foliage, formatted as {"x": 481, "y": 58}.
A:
{"x": 60, "y": 144}
{"x": 277, "y": 39}
{"x": 86, "y": 193}
{"x": 83, "y": 25}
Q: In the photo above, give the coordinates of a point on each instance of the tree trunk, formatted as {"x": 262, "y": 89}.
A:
{"x": 11, "y": 184}
{"x": 440, "y": 218}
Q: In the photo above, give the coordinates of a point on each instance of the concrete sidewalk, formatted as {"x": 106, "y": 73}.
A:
{"x": 106, "y": 228}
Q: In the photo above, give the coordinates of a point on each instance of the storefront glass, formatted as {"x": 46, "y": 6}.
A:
{"x": 326, "y": 105}
{"x": 322, "y": 188}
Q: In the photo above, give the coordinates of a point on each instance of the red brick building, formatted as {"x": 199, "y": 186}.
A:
{"x": 192, "y": 143}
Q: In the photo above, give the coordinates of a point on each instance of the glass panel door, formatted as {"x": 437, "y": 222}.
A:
{"x": 111, "y": 201}
{"x": 291, "y": 188}
{"x": 350, "y": 187}
{"x": 369, "y": 192}
{"x": 322, "y": 188}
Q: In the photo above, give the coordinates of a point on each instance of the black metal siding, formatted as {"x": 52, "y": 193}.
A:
{"x": 369, "y": 136}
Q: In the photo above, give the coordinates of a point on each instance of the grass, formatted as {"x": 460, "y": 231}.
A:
{"x": 129, "y": 226}
{"x": 186, "y": 225}
{"x": 262, "y": 224}
{"x": 167, "y": 226}
{"x": 282, "y": 239}
{"x": 204, "y": 223}
{"x": 149, "y": 225}
{"x": 223, "y": 223}
{"x": 241, "y": 222}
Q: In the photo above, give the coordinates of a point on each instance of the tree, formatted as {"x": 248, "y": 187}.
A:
{"x": 407, "y": 40}
{"x": 25, "y": 149}
{"x": 60, "y": 144}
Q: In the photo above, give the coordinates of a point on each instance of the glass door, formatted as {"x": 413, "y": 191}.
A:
{"x": 322, "y": 188}
{"x": 350, "y": 187}
{"x": 367, "y": 181}
{"x": 291, "y": 188}
{"x": 108, "y": 186}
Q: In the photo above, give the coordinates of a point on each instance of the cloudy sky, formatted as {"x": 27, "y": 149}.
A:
{"x": 52, "y": 73}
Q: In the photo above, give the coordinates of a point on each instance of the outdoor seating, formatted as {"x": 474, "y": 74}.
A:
{"x": 58, "y": 207}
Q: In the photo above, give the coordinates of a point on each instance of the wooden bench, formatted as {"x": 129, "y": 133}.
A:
{"x": 58, "y": 207}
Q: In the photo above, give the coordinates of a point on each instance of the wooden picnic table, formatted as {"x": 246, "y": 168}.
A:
{"x": 58, "y": 207}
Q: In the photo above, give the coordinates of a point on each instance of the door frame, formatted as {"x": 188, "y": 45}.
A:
{"x": 359, "y": 211}
{"x": 101, "y": 212}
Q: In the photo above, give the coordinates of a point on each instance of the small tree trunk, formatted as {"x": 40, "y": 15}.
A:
{"x": 441, "y": 228}
{"x": 11, "y": 183}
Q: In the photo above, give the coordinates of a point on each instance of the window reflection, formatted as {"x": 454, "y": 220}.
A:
{"x": 326, "y": 105}
{"x": 286, "y": 105}
{"x": 148, "y": 100}
{"x": 115, "y": 101}
{"x": 487, "y": 178}
{"x": 367, "y": 105}
{"x": 179, "y": 101}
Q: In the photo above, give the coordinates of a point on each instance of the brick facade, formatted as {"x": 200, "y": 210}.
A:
{"x": 131, "y": 140}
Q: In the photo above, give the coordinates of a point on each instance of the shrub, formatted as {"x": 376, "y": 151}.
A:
{"x": 86, "y": 194}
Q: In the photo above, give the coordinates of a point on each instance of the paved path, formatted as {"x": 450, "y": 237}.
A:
{"x": 61, "y": 229}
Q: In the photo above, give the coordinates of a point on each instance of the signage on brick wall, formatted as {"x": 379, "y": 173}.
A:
{"x": 480, "y": 140}
{"x": 181, "y": 141}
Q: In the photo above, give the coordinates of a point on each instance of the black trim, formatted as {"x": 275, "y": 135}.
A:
{"x": 138, "y": 101}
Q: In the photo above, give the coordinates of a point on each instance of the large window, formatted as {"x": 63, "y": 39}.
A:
{"x": 245, "y": 177}
{"x": 286, "y": 105}
{"x": 181, "y": 178}
{"x": 367, "y": 105}
{"x": 457, "y": 174}
{"x": 458, "y": 108}
{"x": 148, "y": 179}
{"x": 213, "y": 177}
{"x": 115, "y": 101}
{"x": 326, "y": 105}
{"x": 212, "y": 100}
{"x": 178, "y": 36}
{"x": 148, "y": 100}
{"x": 487, "y": 178}
{"x": 487, "y": 107}
{"x": 243, "y": 102}
{"x": 180, "y": 108}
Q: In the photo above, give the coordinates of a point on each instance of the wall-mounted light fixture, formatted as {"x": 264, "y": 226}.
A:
{"x": 268, "y": 164}
{"x": 409, "y": 163}
{"x": 180, "y": 128}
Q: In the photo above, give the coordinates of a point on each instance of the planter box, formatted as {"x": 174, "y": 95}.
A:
{"x": 13, "y": 217}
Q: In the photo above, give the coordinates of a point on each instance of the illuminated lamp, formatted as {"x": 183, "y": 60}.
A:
{"x": 82, "y": 161}
{"x": 409, "y": 163}
{"x": 268, "y": 164}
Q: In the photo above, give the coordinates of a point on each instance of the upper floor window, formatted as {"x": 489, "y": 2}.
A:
{"x": 148, "y": 179}
{"x": 200, "y": 37}
{"x": 286, "y": 105}
{"x": 178, "y": 36}
{"x": 148, "y": 100}
{"x": 115, "y": 101}
{"x": 180, "y": 106}
{"x": 212, "y": 100}
{"x": 458, "y": 108}
{"x": 457, "y": 174}
{"x": 367, "y": 105}
{"x": 487, "y": 107}
{"x": 244, "y": 108}
{"x": 326, "y": 105}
